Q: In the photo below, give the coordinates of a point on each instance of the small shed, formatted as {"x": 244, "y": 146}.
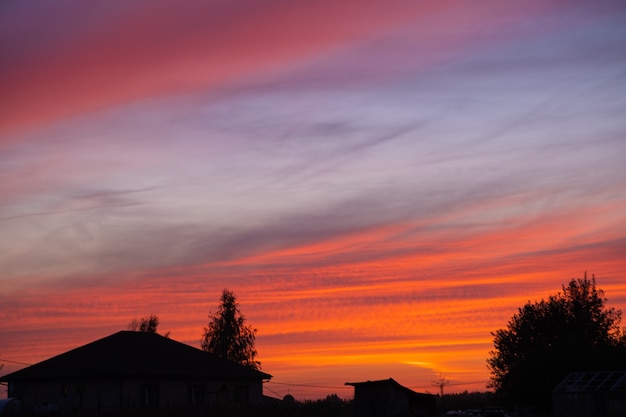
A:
{"x": 387, "y": 398}
{"x": 590, "y": 394}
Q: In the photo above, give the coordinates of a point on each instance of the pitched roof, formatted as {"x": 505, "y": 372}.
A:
{"x": 129, "y": 354}
{"x": 388, "y": 382}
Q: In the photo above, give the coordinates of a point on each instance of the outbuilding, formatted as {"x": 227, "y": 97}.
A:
{"x": 387, "y": 398}
{"x": 588, "y": 394}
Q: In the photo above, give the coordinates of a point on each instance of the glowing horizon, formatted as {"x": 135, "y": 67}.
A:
{"x": 381, "y": 184}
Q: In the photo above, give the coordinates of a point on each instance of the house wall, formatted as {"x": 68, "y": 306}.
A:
{"x": 369, "y": 401}
{"x": 68, "y": 395}
{"x": 380, "y": 401}
{"x": 386, "y": 400}
{"x": 399, "y": 403}
{"x": 105, "y": 396}
{"x": 589, "y": 404}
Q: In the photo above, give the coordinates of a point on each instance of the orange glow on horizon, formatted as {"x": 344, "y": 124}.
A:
{"x": 429, "y": 334}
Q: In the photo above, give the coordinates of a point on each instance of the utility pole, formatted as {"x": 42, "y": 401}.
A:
{"x": 441, "y": 382}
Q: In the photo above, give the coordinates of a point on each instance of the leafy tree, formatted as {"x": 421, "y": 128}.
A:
{"x": 573, "y": 330}
{"x": 146, "y": 324}
{"x": 227, "y": 334}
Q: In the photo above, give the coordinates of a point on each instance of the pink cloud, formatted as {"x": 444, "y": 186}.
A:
{"x": 86, "y": 58}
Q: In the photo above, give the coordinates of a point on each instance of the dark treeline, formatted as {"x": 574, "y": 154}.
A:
{"x": 466, "y": 400}
{"x": 331, "y": 406}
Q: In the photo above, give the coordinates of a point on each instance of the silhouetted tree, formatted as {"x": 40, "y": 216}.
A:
{"x": 227, "y": 334}
{"x": 148, "y": 324}
{"x": 570, "y": 331}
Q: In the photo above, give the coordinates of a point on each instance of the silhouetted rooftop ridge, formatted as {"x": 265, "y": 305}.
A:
{"x": 135, "y": 354}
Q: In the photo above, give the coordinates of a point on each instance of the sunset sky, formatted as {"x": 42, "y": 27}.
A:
{"x": 381, "y": 183}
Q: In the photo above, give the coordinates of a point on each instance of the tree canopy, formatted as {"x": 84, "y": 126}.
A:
{"x": 573, "y": 330}
{"x": 148, "y": 324}
{"x": 227, "y": 334}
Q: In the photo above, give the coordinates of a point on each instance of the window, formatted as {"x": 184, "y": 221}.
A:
{"x": 150, "y": 395}
{"x": 195, "y": 395}
{"x": 13, "y": 390}
{"x": 222, "y": 395}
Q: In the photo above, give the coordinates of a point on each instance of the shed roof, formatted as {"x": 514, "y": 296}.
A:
{"x": 388, "y": 382}
{"x": 135, "y": 354}
{"x": 578, "y": 382}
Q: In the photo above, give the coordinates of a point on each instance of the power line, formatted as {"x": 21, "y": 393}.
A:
{"x": 274, "y": 392}
{"x": 16, "y": 362}
{"x": 453, "y": 384}
{"x": 345, "y": 387}
{"x": 441, "y": 382}
{"x": 307, "y": 386}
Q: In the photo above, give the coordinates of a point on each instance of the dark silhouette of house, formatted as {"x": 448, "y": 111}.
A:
{"x": 585, "y": 394}
{"x": 134, "y": 370}
{"x": 387, "y": 398}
